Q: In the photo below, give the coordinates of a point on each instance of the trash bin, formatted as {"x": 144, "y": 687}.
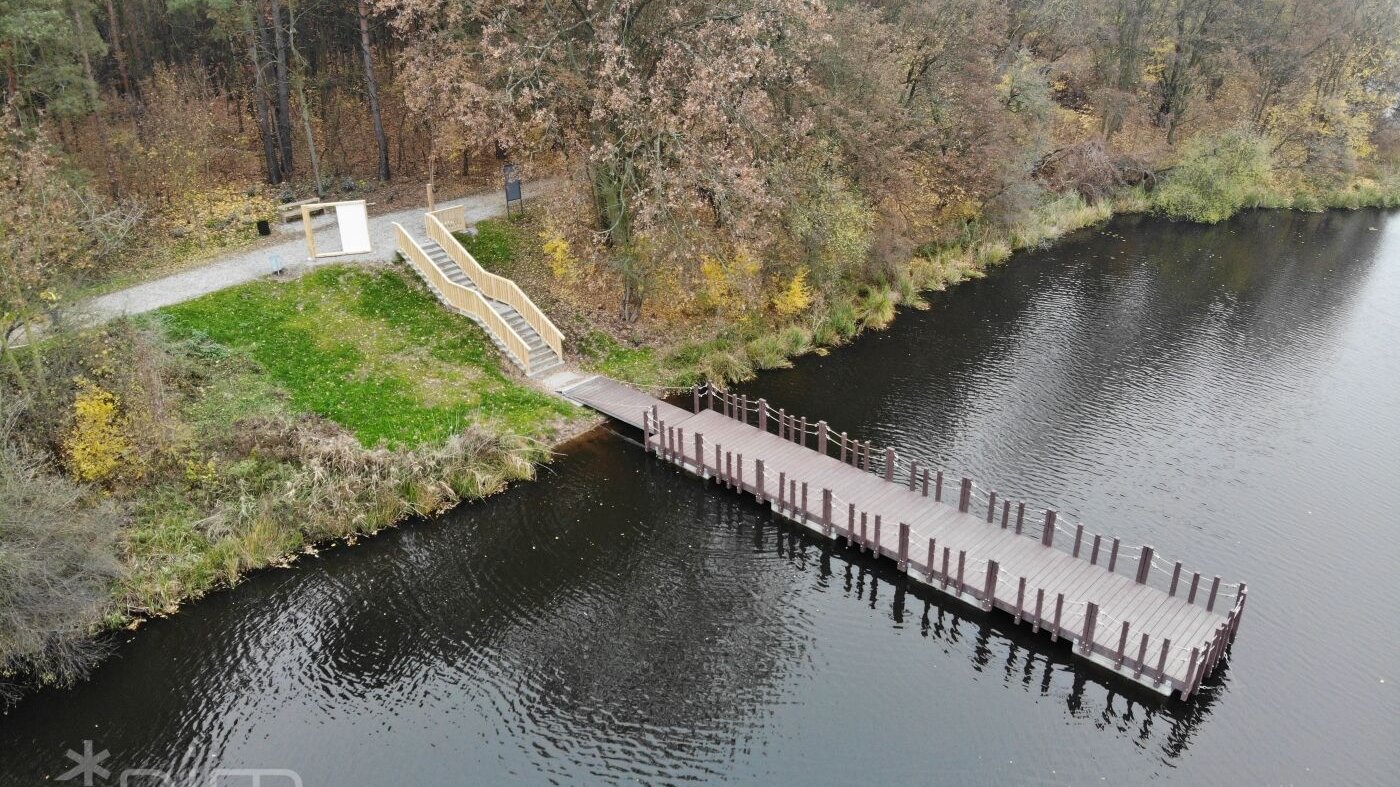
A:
{"x": 264, "y": 228}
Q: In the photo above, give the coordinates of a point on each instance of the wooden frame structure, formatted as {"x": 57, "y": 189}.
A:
{"x": 317, "y": 207}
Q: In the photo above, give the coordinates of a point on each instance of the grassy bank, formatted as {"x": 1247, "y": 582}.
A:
{"x": 235, "y": 432}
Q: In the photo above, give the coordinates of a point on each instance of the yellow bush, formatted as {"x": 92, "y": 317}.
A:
{"x": 97, "y": 443}
{"x": 560, "y": 256}
{"x": 729, "y": 286}
{"x": 795, "y": 298}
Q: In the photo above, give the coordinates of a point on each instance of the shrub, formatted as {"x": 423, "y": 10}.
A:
{"x": 795, "y": 298}
{"x": 57, "y": 566}
{"x": 878, "y": 307}
{"x": 767, "y": 352}
{"x": 97, "y": 443}
{"x": 1216, "y": 177}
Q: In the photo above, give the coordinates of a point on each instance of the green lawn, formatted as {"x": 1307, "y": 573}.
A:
{"x": 373, "y": 351}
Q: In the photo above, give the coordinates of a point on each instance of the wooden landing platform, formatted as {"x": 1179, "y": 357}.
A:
{"x": 1121, "y": 607}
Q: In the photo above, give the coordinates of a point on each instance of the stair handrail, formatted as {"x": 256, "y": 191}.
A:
{"x": 495, "y": 286}
{"x": 464, "y": 298}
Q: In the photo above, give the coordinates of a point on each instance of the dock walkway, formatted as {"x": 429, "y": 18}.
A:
{"x": 1121, "y": 607}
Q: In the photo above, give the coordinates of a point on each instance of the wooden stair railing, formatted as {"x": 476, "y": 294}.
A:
{"x": 497, "y": 287}
{"x": 464, "y": 298}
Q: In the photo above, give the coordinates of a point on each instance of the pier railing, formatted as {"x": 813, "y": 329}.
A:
{"x": 1081, "y": 622}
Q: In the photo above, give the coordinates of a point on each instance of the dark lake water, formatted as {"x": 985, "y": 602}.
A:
{"x": 1229, "y": 394}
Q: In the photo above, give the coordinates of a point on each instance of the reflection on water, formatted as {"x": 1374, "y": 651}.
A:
{"x": 1227, "y": 394}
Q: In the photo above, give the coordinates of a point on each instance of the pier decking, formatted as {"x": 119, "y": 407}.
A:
{"x": 1122, "y": 607}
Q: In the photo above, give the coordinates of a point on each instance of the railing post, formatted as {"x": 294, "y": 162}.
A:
{"x": 1191, "y": 674}
{"x": 1078, "y": 538}
{"x": 695, "y": 389}
{"x": 1039, "y": 610}
{"x": 804, "y": 503}
{"x": 1113, "y": 556}
{"x": 700, "y": 453}
{"x": 864, "y": 536}
{"x": 782, "y": 423}
{"x": 1144, "y": 564}
{"x": 826, "y": 512}
{"x": 938, "y": 487}
{"x": 758, "y": 479}
{"x": 1214, "y": 588}
{"x": 965, "y": 496}
{"x": 1195, "y": 583}
{"x": 925, "y": 482}
{"x": 991, "y": 506}
{"x": 763, "y": 415}
{"x": 802, "y": 432}
{"x": 932, "y": 558}
{"x": 821, "y": 437}
{"x": 843, "y": 448}
{"x": 962, "y": 564}
{"x": 782, "y": 490}
{"x": 913, "y": 473}
{"x": 1122, "y": 646}
{"x": 850, "y": 524}
{"x": 1162, "y": 662}
{"x": 1020, "y": 600}
{"x": 946, "y": 576}
{"x": 1005, "y": 514}
{"x": 1176, "y": 577}
{"x": 989, "y": 591}
{"x": 710, "y": 389}
{"x": 1141, "y": 657}
{"x": 1047, "y": 536}
{"x": 1059, "y": 611}
{"x": 739, "y": 467}
{"x": 719, "y": 463}
{"x": 1091, "y": 618}
{"x": 1094, "y": 552}
{"x": 903, "y": 546}
{"x": 889, "y": 464}
{"x": 1020, "y": 517}
{"x": 876, "y": 550}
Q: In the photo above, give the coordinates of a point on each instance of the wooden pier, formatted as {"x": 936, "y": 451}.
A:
{"x": 1122, "y": 607}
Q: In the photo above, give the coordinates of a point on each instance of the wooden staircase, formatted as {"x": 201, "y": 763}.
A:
{"x": 515, "y": 324}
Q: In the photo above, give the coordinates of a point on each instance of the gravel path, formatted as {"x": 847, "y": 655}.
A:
{"x": 244, "y": 266}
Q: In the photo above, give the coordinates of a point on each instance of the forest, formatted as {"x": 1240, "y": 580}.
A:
{"x": 735, "y": 182}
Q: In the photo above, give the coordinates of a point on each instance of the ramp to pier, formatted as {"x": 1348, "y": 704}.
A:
{"x": 1121, "y": 607}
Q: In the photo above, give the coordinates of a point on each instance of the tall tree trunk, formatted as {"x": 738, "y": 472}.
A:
{"x": 305, "y": 110}
{"x": 118, "y": 53}
{"x": 373, "y": 89}
{"x": 284, "y": 88}
{"x": 95, "y": 101}
{"x": 271, "y": 163}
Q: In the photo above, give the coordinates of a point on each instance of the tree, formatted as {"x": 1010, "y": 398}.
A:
{"x": 372, "y": 89}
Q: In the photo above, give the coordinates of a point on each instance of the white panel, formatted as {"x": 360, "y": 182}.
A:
{"x": 353, "y": 218}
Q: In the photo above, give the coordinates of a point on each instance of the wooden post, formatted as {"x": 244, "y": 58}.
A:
{"x": 782, "y": 490}
{"x": 913, "y": 474}
{"x": 804, "y": 503}
{"x": 1214, "y": 589}
{"x": 1094, "y": 553}
{"x": 938, "y": 487}
{"x": 821, "y": 437}
{"x": 763, "y": 415}
{"x": 646, "y": 431}
{"x": 729, "y": 468}
{"x": 962, "y": 564}
{"x": 903, "y": 546}
{"x": 876, "y": 548}
{"x": 792, "y": 494}
{"x": 1176, "y": 577}
{"x": 1091, "y": 618}
{"x": 864, "y": 539}
{"x": 1113, "y": 556}
{"x": 696, "y": 391}
{"x": 826, "y": 512}
{"x": 946, "y": 577}
{"x": 843, "y": 447}
{"x": 850, "y": 524}
{"x": 711, "y": 392}
{"x": 1191, "y": 674}
{"x": 1162, "y": 662}
{"x": 1005, "y": 514}
{"x": 1078, "y": 538}
{"x": 1020, "y": 517}
{"x": 991, "y": 506}
{"x": 782, "y": 423}
{"x": 1020, "y": 601}
{"x": 1144, "y": 565}
{"x": 925, "y": 482}
{"x": 1195, "y": 583}
{"x": 744, "y": 409}
{"x": 1059, "y": 609}
{"x": 758, "y": 479}
{"x": 802, "y": 432}
{"x": 700, "y": 453}
{"x": 889, "y": 464}
{"x": 965, "y": 495}
{"x": 989, "y": 591}
{"x": 1039, "y": 609}
{"x": 932, "y": 557}
{"x": 868, "y": 455}
{"x": 1141, "y": 657}
{"x": 739, "y": 466}
{"x": 680, "y": 445}
{"x": 1122, "y": 646}
{"x": 1047, "y": 536}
